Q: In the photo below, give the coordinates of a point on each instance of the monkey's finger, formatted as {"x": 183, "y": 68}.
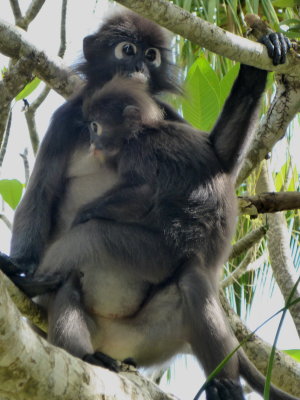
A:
{"x": 269, "y": 45}
{"x": 277, "y": 48}
{"x": 224, "y": 389}
{"x": 285, "y": 46}
{"x": 233, "y": 388}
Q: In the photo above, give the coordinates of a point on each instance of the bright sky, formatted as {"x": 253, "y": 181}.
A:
{"x": 80, "y": 22}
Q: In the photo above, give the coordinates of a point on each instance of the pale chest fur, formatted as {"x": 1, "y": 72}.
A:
{"x": 87, "y": 179}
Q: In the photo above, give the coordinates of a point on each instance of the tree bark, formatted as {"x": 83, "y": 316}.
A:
{"x": 279, "y": 249}
{"x": 15, "y": 44}
{"x": 286, "y": 371}
{"x": 269, "y": 203}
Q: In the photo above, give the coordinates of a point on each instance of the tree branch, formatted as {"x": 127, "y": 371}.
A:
{"x": 248, "y": 241}
{"x": 16, "y": 10}
{"x": 5, "y": 124}
{"x": 279, "y": 250}
{"x": 239, "y": 270}
{"x": 6, "y": 221}
{"x": 210, "y": 36}
{"x": 15, "y": 80}
{"x": 5, "y": 139}
{"x": 24, "y": 157}
{"x": 32, "y": 11}
{"x": 285, "y": 372}
{"x": 31, "y": 109}
{"x": 15, "y": 43}
{"x": 26, "y": 306}
{"x": 62, "y": 48}
{"x": 269, "y": 203}
{"x": 284, "y": 107}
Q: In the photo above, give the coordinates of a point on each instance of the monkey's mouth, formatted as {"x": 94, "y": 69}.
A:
{"x": 139, "y": 77}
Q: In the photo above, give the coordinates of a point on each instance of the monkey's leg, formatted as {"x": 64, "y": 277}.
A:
{"x": 68, "y": 321}
{"x": 208, "y": 332}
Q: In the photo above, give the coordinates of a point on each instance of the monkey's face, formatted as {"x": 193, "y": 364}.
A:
{"x": 128, "y": 59}
{"x": 113, "y": 129}
{"x": 127, "y": 45}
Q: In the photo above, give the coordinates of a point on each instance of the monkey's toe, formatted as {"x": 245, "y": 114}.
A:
{"x": 102, "y": 360}
{"x": 224, "y": 389}
{"x": 131, "y": 362}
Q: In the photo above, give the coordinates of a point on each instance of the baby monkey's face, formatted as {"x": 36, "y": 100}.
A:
{"x": 111, "y": 129}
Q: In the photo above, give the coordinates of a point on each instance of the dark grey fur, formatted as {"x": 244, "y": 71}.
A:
{"x": 139, "y": 279}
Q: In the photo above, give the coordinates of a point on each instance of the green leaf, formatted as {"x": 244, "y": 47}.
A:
{"x": 285, "y": 3}
{"x": 202, "y": 105}
{"x": 11, "y": 191}
{"x": 28, "y": 89}
{"x": 295, "y": 353}
{"x": 294, "y": 184}
{"x": 227, "y": 82}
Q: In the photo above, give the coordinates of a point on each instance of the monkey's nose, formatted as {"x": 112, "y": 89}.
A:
{"x": 140, "y": 67}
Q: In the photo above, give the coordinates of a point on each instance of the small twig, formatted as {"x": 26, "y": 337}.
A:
{"x": 32, "y": 11}
{"x": 62, "y": 48}
{"x": 4, "y": 117}
{"x": 31, "y": 110}
{"x": 30, "y": 118}
{"x": 5, "y": 138}
{"x": 6, "y": 221}
{"x": 239, "y": 271}
{"x": 24, "y": 156}
{"x": 16, "y": 10}
{"x": 247, "y": 242}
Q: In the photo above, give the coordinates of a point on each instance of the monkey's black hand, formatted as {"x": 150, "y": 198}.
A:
{"x": 277, "y": 45}
{"x": 84, "y": 215}
{"x": 224, "y": 389}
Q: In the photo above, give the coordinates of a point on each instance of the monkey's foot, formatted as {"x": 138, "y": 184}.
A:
{"x": 102, "y": 360}
{"x": 224, "y": 389}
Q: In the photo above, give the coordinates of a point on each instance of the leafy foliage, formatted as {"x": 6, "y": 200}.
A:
{"x": 28, "y": 89}
{"x": 11, "y": 191}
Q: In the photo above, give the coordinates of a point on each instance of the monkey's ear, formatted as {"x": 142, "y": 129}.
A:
{"x": 132, "y": 118}
{"x": 132, "y": 113}
{"x": 88, "y": 47}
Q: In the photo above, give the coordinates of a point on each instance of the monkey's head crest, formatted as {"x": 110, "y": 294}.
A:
{"x": 116, "y": 98}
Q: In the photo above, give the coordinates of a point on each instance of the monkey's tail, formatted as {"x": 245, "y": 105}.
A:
{"x": 257, "y": 381}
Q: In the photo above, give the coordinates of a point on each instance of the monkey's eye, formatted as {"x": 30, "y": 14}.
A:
{"x": 96, "y": 128}
{"x": 124, "y": 49}
{"x": 153, "y": 56}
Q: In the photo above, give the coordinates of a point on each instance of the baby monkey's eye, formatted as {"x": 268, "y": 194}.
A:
{"x": 96, "y": 128}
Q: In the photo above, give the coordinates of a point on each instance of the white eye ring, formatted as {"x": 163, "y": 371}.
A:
{"x": 96, "y": 128}
{"x": 122, "y": 48}
{"x": 153, "y": 56}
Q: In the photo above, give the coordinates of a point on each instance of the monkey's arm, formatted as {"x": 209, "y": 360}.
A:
{"x": 128, "y": 202}
{"x": 234, "y": 126}
{"x": 33, "y": 219}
